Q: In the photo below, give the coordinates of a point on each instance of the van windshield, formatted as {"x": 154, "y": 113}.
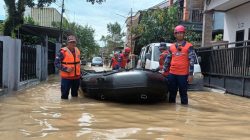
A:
{"x": 156, "y": 53}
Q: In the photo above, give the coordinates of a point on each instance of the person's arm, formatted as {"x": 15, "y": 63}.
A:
{"x": 191, "y": 57}
{"x": 59, "y": 58}
{"x": 128, "y": 60}
{"x": 111, "y": 63}
{"x": 167, "y": 61}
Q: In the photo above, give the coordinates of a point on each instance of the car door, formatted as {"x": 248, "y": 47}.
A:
{"x": 148, "y": 60}
{"x": 141, "y": 57}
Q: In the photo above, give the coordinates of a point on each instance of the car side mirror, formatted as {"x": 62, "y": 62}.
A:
{"x": 148, "y": 56}
{"x": 199, "y": 59}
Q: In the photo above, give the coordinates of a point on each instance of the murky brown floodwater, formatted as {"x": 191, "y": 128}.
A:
{"x": 39, "y": 113}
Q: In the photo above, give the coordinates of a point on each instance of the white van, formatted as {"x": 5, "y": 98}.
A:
{"x": 149, "y": 59}
{"x": 149, "y": 56}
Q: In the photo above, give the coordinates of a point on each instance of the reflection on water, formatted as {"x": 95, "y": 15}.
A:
{"x": 39, "y": 113}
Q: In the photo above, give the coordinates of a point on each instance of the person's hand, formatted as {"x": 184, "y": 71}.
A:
{"x": 70, "y": 69}
{"x": 190, "y": 79}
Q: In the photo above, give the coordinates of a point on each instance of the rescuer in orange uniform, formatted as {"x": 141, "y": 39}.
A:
{"x": 163, "y": 55}
{"x": 124, "y": 58}
{"x": 68, "y": 62}
{"x": 180, "y": 64}
{"x": 114, "y": 62}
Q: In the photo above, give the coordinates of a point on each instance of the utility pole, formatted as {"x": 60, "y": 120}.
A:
{"x": 131, "y": 28}
{"x": 132, "y": 48}
{"x": 61, "y": 32}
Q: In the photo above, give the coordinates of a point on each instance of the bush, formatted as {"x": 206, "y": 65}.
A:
{"x": 218, "y": 37}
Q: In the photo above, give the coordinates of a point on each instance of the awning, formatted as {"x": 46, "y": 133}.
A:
{"x": 41, "y": 31}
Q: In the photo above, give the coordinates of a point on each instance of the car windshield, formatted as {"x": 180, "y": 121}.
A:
{"x": 97, "y": 59}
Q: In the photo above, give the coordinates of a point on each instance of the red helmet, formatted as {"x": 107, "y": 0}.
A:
{"x": 179, "y": 28}
{"x": 127, "y": 49}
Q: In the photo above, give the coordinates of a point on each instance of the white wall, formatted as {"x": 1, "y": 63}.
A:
{"x": 11, "y": 62}
{"x": 235, "y": 20}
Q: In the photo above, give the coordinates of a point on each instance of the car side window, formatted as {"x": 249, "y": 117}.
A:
{"x": 143, "y": 55}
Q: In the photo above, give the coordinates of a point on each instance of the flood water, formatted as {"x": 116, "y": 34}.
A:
{"x": 39, "y": 113}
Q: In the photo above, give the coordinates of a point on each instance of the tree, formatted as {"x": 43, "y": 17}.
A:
{"x": 85, "y": 37}
{"x": 16, "y": 8}
{"x": 104, "y": 40}
{"x": 97, "y": 1}
{"x": 1, "y": 28}
{"x": 114, "y": 37}
{"x": 156, "y": 25}
{"x": 30, "y": 20}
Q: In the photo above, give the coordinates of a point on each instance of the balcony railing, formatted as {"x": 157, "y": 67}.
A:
{"x": 195, "y": 15}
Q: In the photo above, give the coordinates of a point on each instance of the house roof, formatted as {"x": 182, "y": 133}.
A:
{"x": 42, "y": 31}
{"x": 224, "y": 5}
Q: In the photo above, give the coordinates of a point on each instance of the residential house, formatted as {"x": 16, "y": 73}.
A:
{"x": 227, "y": 65}
{"x": 236, "y": 20}
{"x": 190, "y": 15}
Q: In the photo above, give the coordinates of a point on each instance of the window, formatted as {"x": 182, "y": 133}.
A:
{"x": 248, "y": 43}
{"x": 150, "y": 52}
{"x": 157, "y": 53}
{"x": 239, "y": 37}
{"x": 238, "y": 53}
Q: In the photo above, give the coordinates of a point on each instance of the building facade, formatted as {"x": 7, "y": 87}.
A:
{"x": 190, "y": 15}
{"x": 236, "y": 20}
{"x": 44, "y": 16}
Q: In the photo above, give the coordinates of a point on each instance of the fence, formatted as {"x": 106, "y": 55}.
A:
{"x": 227, "y": 66}
{"x": 28, "y": 63}
{"x": 51, "y": 58}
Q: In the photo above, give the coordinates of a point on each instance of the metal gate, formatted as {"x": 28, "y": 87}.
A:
{"x": 51, "y": 58}
{"x": 28, "y": 63}
{"x": 227, "y": 67}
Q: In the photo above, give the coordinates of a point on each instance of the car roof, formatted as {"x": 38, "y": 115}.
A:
{"x": 157, "y": 44}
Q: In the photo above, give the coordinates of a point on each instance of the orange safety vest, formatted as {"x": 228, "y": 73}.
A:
{"x": 162, "y": 60}
{"x": 124, "y": 60}
{"x": 71, "y": 61}
{"x": 180, "y": 62}
{"x": 114, "y": 62}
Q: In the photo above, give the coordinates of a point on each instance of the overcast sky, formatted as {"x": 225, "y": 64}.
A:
{"x": 97, "y": 16}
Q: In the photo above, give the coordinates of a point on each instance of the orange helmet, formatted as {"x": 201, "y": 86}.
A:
{"x": 127, "y": 49}
{"x": 179, "y": 28}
